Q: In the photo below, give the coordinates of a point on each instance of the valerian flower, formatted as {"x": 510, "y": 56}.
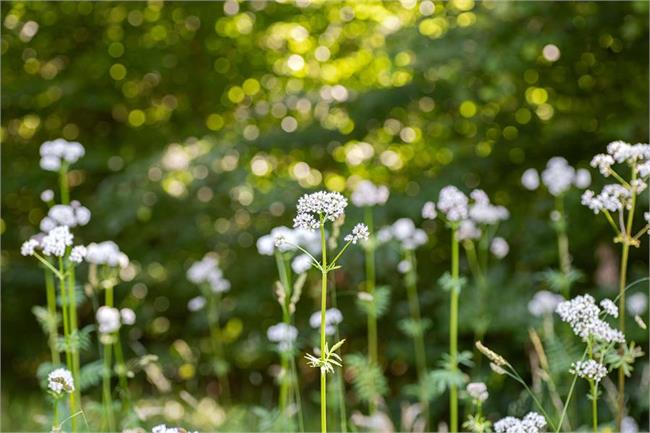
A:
{"x": 60, "y": 381}
{"x": 108, "y": 319}
{"x": 54, "y": 153}
{"x": 283, "y": 334}
{"x": 531, "y": 423}
{"x": 359, "y": 233}
{"x": 589, "y": 369}
{"x": 367, "y": 193}
{"x": 583, "y": 315}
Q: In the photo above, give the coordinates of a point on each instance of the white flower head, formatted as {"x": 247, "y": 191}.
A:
{"x": 643, "y": 169}
{"x": 325, "y": 204}
{"x": 284, "y": 335}
{"x": 629, "y": 425}
{"x": 47, "y": 195}
{"x": 467, "y": 230}
{"x": 207, "y": 271}
{"x": 78, "y": 253}
{"x": 54, "y": 153}
{"x": 28, "y": 248}
{"x": 603, "y": 162}
{"x": 583, "y": 315}
{"x": 453, "y": 203}
{"x": 56, "y": 241}
{"x": 582, "y": 179}
{"x": 530, "y": 179}
{"x": 195, "y": 304}
{"x": 429, "y": 211}
{"x": 404, "y": 266}
{"x": 367, "y": 193}
{"x": 499, "y": 247}
{"x": 637, "y": 303}
{"x": 589, "y": 369}
{"x": 106, "y": 253}
{"x": 544, "y": 302}
{"x": 162, "y": 428}
{"x": 127, "y": 316}
{"x": 108, "y": 319}
{"x": 477, "y": 391}
{"x": 609, "y": 307}
{"x": 333, "y": 317}
{"x": 531, "y": 423}
{"x": 558, "y": 176}
{"x": 301, "y": 263}
{"x": 60, "y": 381}
{"x": 359, "y": 233}
{"x": 612, "y": 198}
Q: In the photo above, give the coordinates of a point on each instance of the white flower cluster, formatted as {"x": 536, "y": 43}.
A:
{"x": 333, "y": 317}
{"x": 60, "y": 381}
{"x": 630, "y": 153}
{"x": 311, "y": 207}
{"x": 499, "y": 247}
{"x": 52, "y": 244}
{"x": 583, "y": 315}
{"x": 207, "y": 271}
{"x": 359, "y": 233}
{"x": 609, "y": 307}
{"x": 544, "y": 302}
{"x": 72, "y": 215}
{"x": 301, "y": 263}
{"x": 429, "y": 211}
{"x": 477, "y": 391}
{"x": 367, "y": 193}
{"x": 111, "y": 319}
{"x": 78, "y": 254}
{"x": 54, "y": 153}
{"x": 558, "y": 177}
{"x": 453, "y": 203}
{"x": 531, "y": 423}
{"x": 283, "y": 334}
{"x": 309, "y": 240}
{"x": 589, "y": 369}
{"x": 162, "y": 428}
{"x": 106, "y": 253}
{"x": 403, "y": 231}
{"x": 468, "y": 230}
{"x": 482, "y": 211}
{"x": 613, "y": 197}
{"x": 195, "y": 304}
{"x": 47, "y": 195}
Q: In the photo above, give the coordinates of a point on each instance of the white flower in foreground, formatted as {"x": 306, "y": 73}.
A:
{"x": 196, "y": 303}
{"x": 558, "y": 175}
{"x": 367, "y": 193}
{"x": 359, "y": 233}
{"x": 478, "y": 391}
{"x": 603, "y": 162}
{"x": 544, "y": 302}
{"x": 108, "y": 319}
{"x": 609, "y": 307}
{"x": 429, "y": 211}
{"x": 28, "y": 248}
{"x": 637, "y": 303}
{"x": 499, "y": 247}
{"x": 56, "y": 241}
{"x": 583, "y": 315}
{"x": 612, "y": 198}
{"x": 530, "y": 179}
{"x": 305, "y": 221}
{"x": 301, "y": 263}
{"x": 582, "y": 179}
{"x": 453, "y": 203}
{"x": 329, "y": 205}
{"x": 589, "y": 369}
{"x": 531, "y": 423}
{"x": 333, "y": 317}
{"x": 54, "y": 153}
{"x": 283, "y": 334}
{"x": 127, "y": 316}
{"x": 629, "y": 425}
{"x": 78, "y": 253}
{"x": 47, "y": 195}
{"x": 106, "y": 253}
{"x": 629, "y": 153}
{"x": 60, "y": 381}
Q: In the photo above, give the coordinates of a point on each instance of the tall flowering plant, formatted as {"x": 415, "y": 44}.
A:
{"x": 629, "y": 166}
{"x": 314, "y": 212}
{"x": 559, "y": 177}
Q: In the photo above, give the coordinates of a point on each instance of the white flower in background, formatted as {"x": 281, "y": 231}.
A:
{"x": 530, "y": 179}
{"x": 404, "y": 231}
{"x": 108, "y": 319}
{"x": 162, "y": 428}
{"x": 28, "y": 248}
{"x": 603, "y": 162}
{"x": 283, "y": 334}
{"x": 402, "y": 228}
{"x": 613, "y": 198}
{"x": 78, "y": 253}
{"x": 333, "y": 317}
{"x": 589, "y": 369}
{"x": 646, "y": 217}
{"x": 609, "y": 307}
{"x": 359, "y": 233}
{"x": 429, "y": 211}
{"x": 499, "y": 247}
{"x": 487, "y": 213}
{"x": 207, "y": 271}
{"x": 196, "y": 303}
{"x": 54, "y": 153}
{"x": 330, "y": 205}
{"x": 582, "y": 179}
{"x": 531, "y": 423}
{"x": 478, "y": 391}
{"x": 404, "y": 266}
{"x": 453, "y": 203}
{"x": 629, "y": 425}
{"x": 301, "y": 263}
{"x": 467, "y": 230}
{"x": 127, "y": 316}
{"x": 309, "y": 240}
{"x": 637, "y": 303}
{"x": 56, "y": 241}
{"x": 106, "y": 253}
{"x": 544, "y": 302}
{"x": 47, "y": 195}
{"x": 367, "y": 193}
{"x": 60, "y": 381}
{"x": 582, "y": 314}
{"x": 558, "y": 175}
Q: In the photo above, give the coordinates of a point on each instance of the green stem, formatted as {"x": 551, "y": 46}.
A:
{"x": 339, "y": 377}
{"x": 63, "y": 184}
{"x": 418, "y": 339}
{"x": 298, "y": 397}
{"x": 51, "y": 308}
{"x": 453, "y": 332}
{"x": 76, "y": 364}
{"x": 323, "y": 378}
{"x": 217, "y": 343}
{"x": 594, "y": 405}
{"x": 66, "y": 330}
{"x": 370, "y": 288}
{"x": 109, "y": 421}
{"x": 55, "y": 416}
{"x": 563, "y": 242}
{"x": 121, "y": 373}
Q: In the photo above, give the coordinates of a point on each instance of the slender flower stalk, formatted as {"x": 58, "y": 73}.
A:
{"x": 453, "y": 330}
{"x": 52, "y": 315}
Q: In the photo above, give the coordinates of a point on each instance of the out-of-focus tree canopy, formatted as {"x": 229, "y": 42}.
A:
{"x": 203, "y": 123}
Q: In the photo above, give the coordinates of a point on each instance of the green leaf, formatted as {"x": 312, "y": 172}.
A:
{"x": 448, "y": 283}
{"x": 558, "y": 281}
{"x": 413, "y": 328}
{"x": 368, "y": 380}
{"x": 91, "y": 374}
{"x": 378, "y": 303}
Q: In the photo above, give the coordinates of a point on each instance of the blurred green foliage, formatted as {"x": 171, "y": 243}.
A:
{"x": 203, "y": 123}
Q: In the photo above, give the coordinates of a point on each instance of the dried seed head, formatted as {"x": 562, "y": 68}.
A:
{"x": 491, "y": 355}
